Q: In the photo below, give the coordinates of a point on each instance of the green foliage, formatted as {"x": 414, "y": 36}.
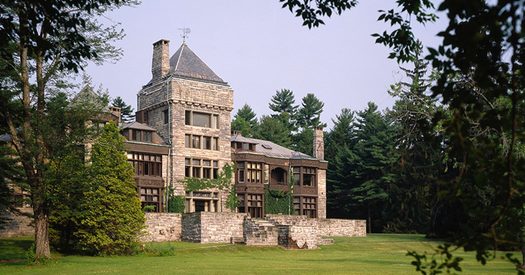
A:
{"x": 111, "y": 218}
{"x": 40, "y": 43}
{"x": 277, "y": 202}
{"x": 126, "y": 111}
{"x": 232, "y": 202}
{"x": 441, "y": 261}
{"x": 309, "y": 115}
{"x": 284, "y": 108}
{"x": 274, "y": 130}
{"x": 222, "y": 182}
{"x": 175, "y": 203}
{"x": 245, "y": 121}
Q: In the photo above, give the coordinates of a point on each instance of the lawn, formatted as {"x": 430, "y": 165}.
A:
{"x": 376, "y": 254}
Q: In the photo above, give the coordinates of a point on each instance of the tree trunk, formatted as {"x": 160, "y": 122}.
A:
{"x": 41, "y": 234}
{"x": 369, "y": 222}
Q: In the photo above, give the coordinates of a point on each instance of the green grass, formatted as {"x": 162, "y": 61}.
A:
{"x": 376, "y": 254}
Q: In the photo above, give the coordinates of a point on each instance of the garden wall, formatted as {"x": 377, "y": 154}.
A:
{"x": 324, "y": 227}
{"x": 162, "y": 227}
{"x": 212, "y": 227}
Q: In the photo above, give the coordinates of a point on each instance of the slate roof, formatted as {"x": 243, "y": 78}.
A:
{"x": 271, "y": 149}
{"x": 186, "y": 63}
{"x": 138, "y": 126}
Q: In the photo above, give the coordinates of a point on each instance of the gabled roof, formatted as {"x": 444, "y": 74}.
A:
{"x": 271, "y": 149}
{"x": 138, "y": 126}
{"x": 186, "y": 63}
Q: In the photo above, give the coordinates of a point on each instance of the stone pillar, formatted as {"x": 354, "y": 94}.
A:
{"x": 160, "y": 64}
{"x": 321, "y": 189}
{"x": 318, "y": 150}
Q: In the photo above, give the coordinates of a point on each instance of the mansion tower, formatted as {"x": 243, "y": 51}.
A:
{"x": 190, "y": 108}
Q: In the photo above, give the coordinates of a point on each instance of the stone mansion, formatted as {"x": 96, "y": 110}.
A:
{"x": 183, "y": 129}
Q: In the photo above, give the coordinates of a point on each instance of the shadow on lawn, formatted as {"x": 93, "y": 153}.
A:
{"x": 13, "y": 250}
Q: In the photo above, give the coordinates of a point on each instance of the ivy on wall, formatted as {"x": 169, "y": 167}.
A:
{"x": 222, "y": 182}
{"x": 277, "y": 202}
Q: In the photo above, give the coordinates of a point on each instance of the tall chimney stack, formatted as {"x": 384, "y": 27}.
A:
{"x": 318, "y": 143}
{"x": 160, "y": 65}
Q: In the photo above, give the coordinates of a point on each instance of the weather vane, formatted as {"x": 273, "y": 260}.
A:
{"x": 185, "y": 33}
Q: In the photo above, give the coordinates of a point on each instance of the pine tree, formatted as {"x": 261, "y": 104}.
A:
{"x": 126, "y": 111}
{"x": 309, "y": 115}
{"x": 283, "y": 102}
{"x": 111, "y": 218}
{"x": 284, "y": 108}
{"x": 245, "y": 121}
{"x": 273, "y": 129}
{"x": 339, "y": 154}
{"x": 375, "y": 155}
{"x": 412, "y": 196}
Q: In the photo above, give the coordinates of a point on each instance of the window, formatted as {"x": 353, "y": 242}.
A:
{"x": 187, "y": 117}
{"x": 135, "y": 134}
{"x": 201, "y": 168}
{"x": 309, "y": 207}
{"x": 187, "y": 141}
{"x": 206, "y": 143}
{"x": 165, "y": 114}
{"x": 296, "y": 175}
{"x": 147, "y": 136}
{"x": 206, "y": 170}
{"x": 196, "y": 142}
{"x": 146, "y": 164}
{"x": 150, "y": 196}
{"x": 187, "y": 170}
{"x": 309, "y": 176}
{"x": 215, "y": 144}
{"x": 253, "y": 172}
{"x": 201, "y": 119}
{"x": 240, "y": 171}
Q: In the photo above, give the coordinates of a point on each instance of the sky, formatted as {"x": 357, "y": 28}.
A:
{"x": 259, "y": 48}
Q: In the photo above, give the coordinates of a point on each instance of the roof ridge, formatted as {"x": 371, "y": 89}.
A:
{"x": 180, "y": 55}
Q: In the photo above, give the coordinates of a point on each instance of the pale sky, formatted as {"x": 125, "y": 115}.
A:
{"x": 259, "y": 48}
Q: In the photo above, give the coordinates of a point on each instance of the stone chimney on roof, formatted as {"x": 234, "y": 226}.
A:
{"x": 318, "y": 150}
{"x": 160, "y": 64}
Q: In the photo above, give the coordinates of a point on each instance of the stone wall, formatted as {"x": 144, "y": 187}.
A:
{"x": 324, "y": 227}
{"x": 208, "y": 227}
{"x": 260, "y": 232}
{"x": 341, "y": 227}
{"x": 298, "y": 236}
{"x": 17, "y": 225}
{"x": 163, "y": 227}
{"x": 221, "y": 227}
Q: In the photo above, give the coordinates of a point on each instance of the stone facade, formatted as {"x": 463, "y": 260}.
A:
{"x": 165, "y": 104}
{"x": 260, "y": 232}
{"x": 163, "y": 227}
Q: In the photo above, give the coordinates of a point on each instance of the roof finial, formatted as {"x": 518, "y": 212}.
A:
{"x": 185, "y": 32}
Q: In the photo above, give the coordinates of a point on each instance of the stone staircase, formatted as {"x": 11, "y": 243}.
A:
{"x": 259, "y": 232}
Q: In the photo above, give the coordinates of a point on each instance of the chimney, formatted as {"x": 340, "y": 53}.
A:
{"x": 318, "y": 143}
{"x": 160, "y": 64}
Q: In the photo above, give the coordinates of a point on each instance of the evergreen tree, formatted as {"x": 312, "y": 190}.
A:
{"x": 273, "y": 129}
{"x": 339, "y": 154}
{"x": 309, "y": 115}
{"x": 283, "y": 102}
{"x": 412, "y": 196}
{"x": 284, "y": 108}
{"x": 375, "y": 155}
{"x": 111, "y": 217}
{"x": 126, "y": 111}
{"x": 245, "y": 121}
